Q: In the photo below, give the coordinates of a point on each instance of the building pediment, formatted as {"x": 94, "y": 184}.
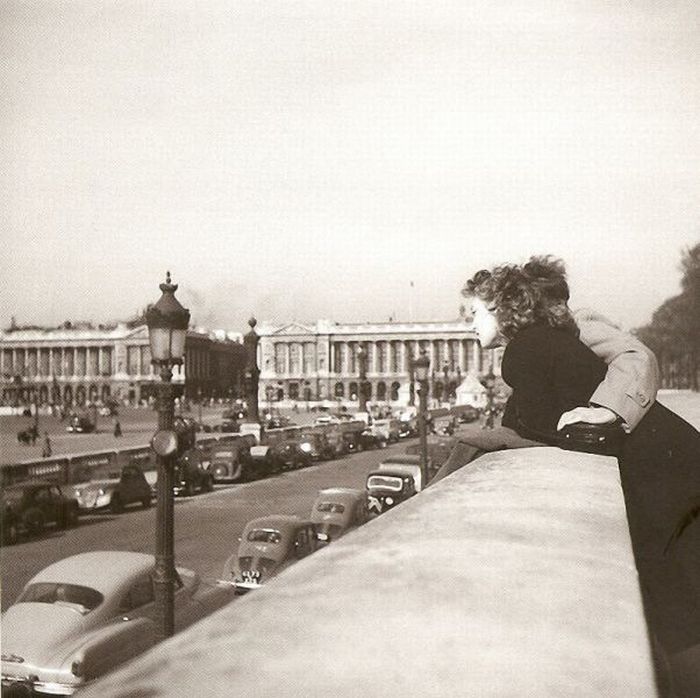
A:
{"x": 293, "y": 329}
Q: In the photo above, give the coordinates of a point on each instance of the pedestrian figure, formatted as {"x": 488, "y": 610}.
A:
{"x": 117, "y": 428}
{"x": 46, "y": 450}
{"x": 33, "y": 434}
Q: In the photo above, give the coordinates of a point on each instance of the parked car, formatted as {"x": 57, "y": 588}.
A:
{"x": 316, "y": 444}
{"x": 232, "y": 462}
{"x": 387, "y": 487}
{"x": 267, "y": 547}
{"x": 265, "y": 459}
{"x": 406, "y": 463}
{"x": 84, "y": 615}
{"x": 80, "y": 425}
{"x": 338, "y": 510}
{"x": 293, "y": 454}
{"x": 465, "y": 413}
{"x": 370, "y": 440}
{"x": 113, "y": 490}
{"x": 388, "y": 428}
{"x": 28, "y": 507}
{"x": 408, "y": 428}
{"x": 191, "y": 474}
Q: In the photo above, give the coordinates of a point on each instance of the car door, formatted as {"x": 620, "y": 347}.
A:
{"x": 44, "y": 501}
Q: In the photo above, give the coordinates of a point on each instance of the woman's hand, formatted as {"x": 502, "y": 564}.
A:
{"x": 590, "y": 415}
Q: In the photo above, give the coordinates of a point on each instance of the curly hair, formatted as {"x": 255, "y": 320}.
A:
{"x": 522, "y": 295}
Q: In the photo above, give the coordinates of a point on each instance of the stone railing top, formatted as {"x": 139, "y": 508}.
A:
{"x": 512, "y": 577}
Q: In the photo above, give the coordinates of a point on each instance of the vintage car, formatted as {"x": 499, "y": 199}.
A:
{"x": 388, "y": 428}
{"x": 192, "y": 474}
{"x": 113, "y": 490}
{"x": 338, "y": 510}
{"x": 370, "y": 439}
{"x": 265, "y": 459}
{"x": 86, "y": 614}
{"x": 267, "y": 546}
{"x": 316, "y": 444}
{"x": 232, "y": 462}
{"x": 80, "y": 425}
{"x": 28, "y": 507}
{"x": 465, "y": 413}
{"x": 407, "y": 463}
{"x": 387, "y": 487}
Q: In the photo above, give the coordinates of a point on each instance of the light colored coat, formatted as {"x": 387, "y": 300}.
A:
{"x": 630, "y": 385}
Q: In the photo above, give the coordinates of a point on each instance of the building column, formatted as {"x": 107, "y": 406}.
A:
{"x": 75, "y": 361}
{"x": 287, "y": 359}
{"x": 476, "y": 354}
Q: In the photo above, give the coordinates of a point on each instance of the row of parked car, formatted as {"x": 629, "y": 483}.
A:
{"x": 96, "y": 610}
{"x": 272, "y": 543}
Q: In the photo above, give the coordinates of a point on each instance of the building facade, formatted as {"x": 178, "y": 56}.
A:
{"x": 80, "y": 365}
{"x": 319, "y": 362}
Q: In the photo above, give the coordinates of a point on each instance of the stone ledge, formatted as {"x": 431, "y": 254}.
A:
{"x": 512, "y": 577}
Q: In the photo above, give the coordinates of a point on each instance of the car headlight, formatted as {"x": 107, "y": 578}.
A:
{"x": 305, "y": 447}
{"x": 100, "y": 492}
{"x": 389, "y": 501}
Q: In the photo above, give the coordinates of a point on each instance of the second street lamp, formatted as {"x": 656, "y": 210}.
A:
{"x": 167, "y": 324}
{"x": 421, "y": 371}
{"x": 362, "y": 370}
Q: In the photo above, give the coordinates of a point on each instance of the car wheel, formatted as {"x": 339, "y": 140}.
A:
{"x": 10, "y": 533}
{"x": 115, "y": 504}
{"x": 209, "y": 484}
{"x": 189, "y": 489}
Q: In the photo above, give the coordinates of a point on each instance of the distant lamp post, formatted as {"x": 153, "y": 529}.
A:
{"x": 411, "y": 382}
{"x": 362, "y": 372}
{"x": 167, "y": 324}
{"x": 252, "y": 372}
{"x": 489, "y": 382}
{"x": 199, "y": 404}
{"x": 421, "y": 371}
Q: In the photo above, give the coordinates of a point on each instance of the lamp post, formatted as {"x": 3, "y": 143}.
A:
{"x": 421, "y": 371}
{"x": 489, "y": 382}
{"x": 167, "y": 324}
{"x": 362, "y": 372}
{"x": 199, "y": 404}
{"x": 252, "y": 372}
{"x": 411, "y": 382}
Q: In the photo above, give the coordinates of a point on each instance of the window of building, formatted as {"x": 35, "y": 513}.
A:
{"x": 279, "y": 358}
{"x": 339, "y": 390}
{"x": 381, "y": 390}
{"x": 294, "y": 391}
{"x": 295, "y": 359}
{"x": 395, "y": 390}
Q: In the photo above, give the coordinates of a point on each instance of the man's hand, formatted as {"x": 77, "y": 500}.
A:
{"x": 590, "y": 415}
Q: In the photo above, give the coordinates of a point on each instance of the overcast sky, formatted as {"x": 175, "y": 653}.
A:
{"x": 303, "y": 160}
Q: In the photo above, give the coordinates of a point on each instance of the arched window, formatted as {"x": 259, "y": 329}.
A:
{"x": 92, "y": 393}
{"x": 438, "y": 390}
{"x": 68, "y": 395}
{"x": 280, "y": 393}
{"x": 381, "y": 390}
{"x": 395, "y": 390}
{"x": 339, "y": 390}
{"x": 80, "y": 395}
{"x": 294, "y": 391}
{"x": 352, "y": 390}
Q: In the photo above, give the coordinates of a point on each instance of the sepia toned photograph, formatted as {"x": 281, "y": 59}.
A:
{"x": 350, "y": 348}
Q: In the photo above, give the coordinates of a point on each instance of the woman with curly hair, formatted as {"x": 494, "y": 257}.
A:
{"x": 551, "y": 373}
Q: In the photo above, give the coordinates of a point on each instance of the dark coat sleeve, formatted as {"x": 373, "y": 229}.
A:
{"x": 550, "y": 372}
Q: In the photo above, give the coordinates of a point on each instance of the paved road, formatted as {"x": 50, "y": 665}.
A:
{"x": 207, "y": 526}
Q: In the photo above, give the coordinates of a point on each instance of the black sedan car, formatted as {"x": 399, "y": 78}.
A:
{"x": 28, "y": 507}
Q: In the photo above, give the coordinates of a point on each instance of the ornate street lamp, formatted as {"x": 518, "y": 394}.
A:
{"x": 252, "y": 372}
{"x": 421, "y": 371}
{"x": 446, "y": 387}
{"x": 489, "y": 382}
{"x": 167, "y": 324}
{"x": 362, "y": 372}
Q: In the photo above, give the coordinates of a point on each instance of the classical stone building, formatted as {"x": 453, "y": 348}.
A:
{"x": 319, "y": 362}
{"x": 81, "y": 364}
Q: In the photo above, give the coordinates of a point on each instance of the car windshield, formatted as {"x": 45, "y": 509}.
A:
{"x": 52, "y": 592}
{"x": 264, "y": 535}
{"x": 331, "y": 507}
{"x": 385, "y": 481}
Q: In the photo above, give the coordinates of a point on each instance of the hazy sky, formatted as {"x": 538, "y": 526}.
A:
{"x": 300, "y": 159}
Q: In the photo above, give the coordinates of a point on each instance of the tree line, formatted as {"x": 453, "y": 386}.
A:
{"x": 674, "y": 331}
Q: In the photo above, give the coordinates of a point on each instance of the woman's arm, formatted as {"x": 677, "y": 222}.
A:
{"x": 632, "y": 380}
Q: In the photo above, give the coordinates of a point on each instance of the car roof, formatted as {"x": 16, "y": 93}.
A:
{"x": 104, "y": 570}
{"x": 282, "y": 522}
{"x": 28, "y": 485}
{"x": 392, "y": 472}
{"x": 341, "y": 493}
{"x": 403, "y": 459}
